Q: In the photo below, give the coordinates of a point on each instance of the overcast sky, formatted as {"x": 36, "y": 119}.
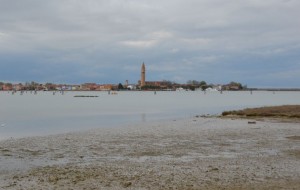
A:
{"x": 255, "y": 42}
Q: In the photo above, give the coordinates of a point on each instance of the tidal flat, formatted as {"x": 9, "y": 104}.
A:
{"x": 193, "y": 153}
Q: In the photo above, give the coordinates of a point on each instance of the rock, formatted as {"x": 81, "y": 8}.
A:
{"x": 126, "y": 184}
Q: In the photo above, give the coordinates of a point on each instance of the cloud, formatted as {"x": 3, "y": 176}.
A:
{"x": 139, "y": 43}
{"x": 197, "y": 42}
{"x": 174, "y": 50}
{"x": 152, "y": 39}
{"x": 182, "y": 38}
{"x": 161, "y": 34}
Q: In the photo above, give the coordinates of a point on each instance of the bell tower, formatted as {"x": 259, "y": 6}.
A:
{"x": 143, "y": 75}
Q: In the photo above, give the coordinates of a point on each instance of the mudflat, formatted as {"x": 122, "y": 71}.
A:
{"x": 195, "y": 153}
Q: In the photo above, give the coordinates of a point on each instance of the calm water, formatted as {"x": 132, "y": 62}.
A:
{"x": 45, "y": 113}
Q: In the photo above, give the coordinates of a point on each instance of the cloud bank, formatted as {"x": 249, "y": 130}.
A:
{"x": 253, "y": 42}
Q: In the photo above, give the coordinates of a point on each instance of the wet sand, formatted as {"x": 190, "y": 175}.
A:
{"x": 195, "y": 153}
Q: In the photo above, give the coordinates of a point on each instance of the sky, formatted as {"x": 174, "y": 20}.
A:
{"x": 254, "y": 42}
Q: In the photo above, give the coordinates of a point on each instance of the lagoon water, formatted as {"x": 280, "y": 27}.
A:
{"x": 45, "y": 113}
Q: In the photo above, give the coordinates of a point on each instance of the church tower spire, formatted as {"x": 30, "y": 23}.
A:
{"x": 143, "y": 75}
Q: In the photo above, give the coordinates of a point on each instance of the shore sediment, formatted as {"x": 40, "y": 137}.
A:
{"x": 195, "y": 153}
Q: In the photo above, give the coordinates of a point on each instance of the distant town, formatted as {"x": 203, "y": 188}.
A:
{"x": 142, "y": 84}
{"x": 153, "y": 85}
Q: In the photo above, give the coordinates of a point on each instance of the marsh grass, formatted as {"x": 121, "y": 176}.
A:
{"x": 285, "y": 111}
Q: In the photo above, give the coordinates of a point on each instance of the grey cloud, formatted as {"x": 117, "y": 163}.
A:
{"x": 166, "y": 33}
{"x": 106, "y": 21}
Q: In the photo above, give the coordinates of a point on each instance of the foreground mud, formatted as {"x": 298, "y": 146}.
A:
{"x": 199, "y": 153}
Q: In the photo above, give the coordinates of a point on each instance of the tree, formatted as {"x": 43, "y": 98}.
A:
{"x": 235, "y": 86}
{"x": 150, "y": 87}
{"x": 50, "y": 86}
{"x": 33, "y": 85}
{"x": 203, "y": 83}
{"x": 120, "y": 86}
{"x": 192, "y": 88}
{"x": 9, "y": 84}
{"x": 193, "y": 82}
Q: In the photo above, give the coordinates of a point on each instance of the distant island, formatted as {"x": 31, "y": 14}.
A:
{"x": 164, "y": 85}
{"x": 142, "y": 84}
{"x": 191, "y": 85}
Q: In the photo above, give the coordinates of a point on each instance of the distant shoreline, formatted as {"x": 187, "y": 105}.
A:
{"x": 166, "y": 90}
